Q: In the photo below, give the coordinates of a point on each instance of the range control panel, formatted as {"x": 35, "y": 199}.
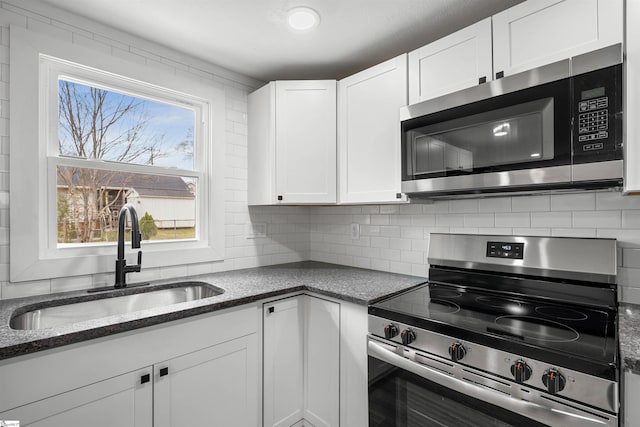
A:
{"x": 505, "y": 250}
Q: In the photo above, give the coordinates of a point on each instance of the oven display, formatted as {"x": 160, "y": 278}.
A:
{"x": 505, "y": 250}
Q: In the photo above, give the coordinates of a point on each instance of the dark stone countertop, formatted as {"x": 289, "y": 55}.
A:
{"x": 629, "y": 336}
{"x": 356, "y": 285}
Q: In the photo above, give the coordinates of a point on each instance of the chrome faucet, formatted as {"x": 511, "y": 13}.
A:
{"x": 121, "y": 263}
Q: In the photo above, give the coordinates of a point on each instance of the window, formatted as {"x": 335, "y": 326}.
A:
{"x": 108, "y": 133}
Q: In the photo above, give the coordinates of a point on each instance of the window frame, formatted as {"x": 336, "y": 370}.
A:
{"x": 33, "y": 196}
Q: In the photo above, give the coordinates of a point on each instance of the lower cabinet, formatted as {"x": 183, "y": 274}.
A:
{"x": 195, "y": 372}
{"x": 301, "y": 362}
{"x": 122, "y": 401}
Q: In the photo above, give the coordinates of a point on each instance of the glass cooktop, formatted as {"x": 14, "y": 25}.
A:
{"x": 566, "y": 329}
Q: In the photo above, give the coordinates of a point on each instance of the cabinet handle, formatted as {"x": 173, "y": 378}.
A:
{"x": 398, "y": 195}
{"x": 164, "y": 371}
{"x": 271, "y": 309}
{"x": 499, "y": 74}
{"x": 482, "y": 79}
{"x": 279, "y": 197}
{"x": 145, "y": 378}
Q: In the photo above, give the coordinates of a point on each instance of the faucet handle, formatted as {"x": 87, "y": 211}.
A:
{"x": 139, "y": 260}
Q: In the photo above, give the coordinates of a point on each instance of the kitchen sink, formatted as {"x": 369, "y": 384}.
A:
{"x": 111, "y": 303}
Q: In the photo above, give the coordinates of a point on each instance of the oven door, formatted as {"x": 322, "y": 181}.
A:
{"x": 403, "y": 392}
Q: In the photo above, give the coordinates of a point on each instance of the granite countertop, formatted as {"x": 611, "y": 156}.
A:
{"x": 350, "y": 284}
{"x": 629, "y": 336}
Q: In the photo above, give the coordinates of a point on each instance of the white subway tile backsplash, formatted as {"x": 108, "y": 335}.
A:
{"x": 573, "y": 232}
{"x": 610, "y": 200}
{"x": 423, "y": 220}
{"x": 551, "y": 219}
{"x": 463, "y": 206}
{"x": 513, "y": 219}
{"x": 440, "y": 206}
{"x": 573, "y": 202}
{"x": 631, "y": 219}
{"x": 597, "y": 219}
{"x": 450, "y": 220}
{"x": 541, "y": 232}
{"x": 630, "y": 258}
{"x": 531, "y": 204}
{"x": 495, "y": 204}
{"x": 479, "y": 220}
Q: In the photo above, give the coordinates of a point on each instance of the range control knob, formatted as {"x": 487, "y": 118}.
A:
{"x": 390, "y": 331}
{"x": 408, "y": 336}
{"x": 521, "y": 371}
{"x": 553, "y": 380}
{"x": 457, "y": 351}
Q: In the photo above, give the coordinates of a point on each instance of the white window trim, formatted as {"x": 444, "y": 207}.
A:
{"x": 34, "y": 253}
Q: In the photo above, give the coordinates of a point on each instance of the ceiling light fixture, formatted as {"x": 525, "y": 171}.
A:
{"x": 302, "y": 18}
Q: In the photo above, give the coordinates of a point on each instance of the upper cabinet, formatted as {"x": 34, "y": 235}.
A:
{"x": 540, "y": 32}
{"x": 528, "y": 35}
{"x": 457, "y": 61}
{"x": 369, "y": 133}
{"x": 632, "y": 100}
{"x": 292, "y": 143}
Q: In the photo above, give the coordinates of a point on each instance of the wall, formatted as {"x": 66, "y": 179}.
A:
{"x": 396, "y": 237}
{"x": 287, "y": 227}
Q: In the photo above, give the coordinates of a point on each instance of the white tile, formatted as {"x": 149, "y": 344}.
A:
{"x": 411, "y": 209}
{"x": 625, "y": 237}
{"x": 630, "y": 295}
{"x": 380, "y": 264}
{"x": 450, "y": 220}
{"x": 495, "y": 204}
{"x": 551, "y": 220}
{"x": 463, "y": 206}
{"x": 412, "y": 232}
{"x": 631, "y": 219}
{"x": 67, "y": 284}
{"x": 597, "y": 219}
{"x": 440, "y": 206}
{"x": 380, "y": 242}
{"x": 390, "y": 231}
{"x": 390, "y": 254}
{"x": 423, "y": 220}
{"x": 463, "y": 230}
{"x": 574, "y": 232}
{"x": 412, "y": 257}
{"x": 629, "y": 277}
{"x": 400, "y": 267}
{"x": 25, "y": 289}
{"x": 420, "y": 245}
{"x": 389, "y": 209}
{"x": 369, "y": 230}
{"x": 531, "y": 204}
{"x": 610, "y": 200}
{"x": 402, "y": 244}
{"x": 380, "y": 219}
{"x": 400, "y": 219}
{"x": 497, "y": 231}
{"x": 532, "y": 231}
{"x": 479, "y": 220}
{"x": 420, "y": 270}
{"x": 573, "y": 202}
{"x": 513, "y": 219}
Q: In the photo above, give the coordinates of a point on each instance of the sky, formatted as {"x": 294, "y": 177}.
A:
{"x": 167, "y": 123}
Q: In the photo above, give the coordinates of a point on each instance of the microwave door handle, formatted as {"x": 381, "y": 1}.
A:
{"x": 553, "y": 417}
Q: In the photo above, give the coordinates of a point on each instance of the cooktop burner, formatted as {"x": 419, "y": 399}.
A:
{"x": 582, "y": 332}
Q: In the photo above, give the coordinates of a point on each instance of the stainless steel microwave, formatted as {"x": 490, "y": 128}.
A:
{"x": 555, "y": 127}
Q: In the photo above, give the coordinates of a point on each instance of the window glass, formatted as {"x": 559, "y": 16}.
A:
{"x": 102, "y": 124}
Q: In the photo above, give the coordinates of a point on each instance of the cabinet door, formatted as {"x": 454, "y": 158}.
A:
{"x": 455, "y": 62}
{"x": 630, "y": 393}
{"x": 214, "y": 386}
{"x": 306, "y": 141}
{"x": 322, "y": 362}
{"x": 369, "y": 132}
{"x": 123, "y": 401}
{"x": 283, "y": 363}
{"x": 540, "y": 32}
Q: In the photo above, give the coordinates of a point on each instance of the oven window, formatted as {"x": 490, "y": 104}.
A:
{"x": 398, "y": 398}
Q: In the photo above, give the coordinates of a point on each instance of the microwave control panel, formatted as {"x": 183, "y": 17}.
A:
{"x": 597, "y": 116}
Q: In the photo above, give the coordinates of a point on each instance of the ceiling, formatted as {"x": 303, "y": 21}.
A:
{"x": 251, "y": 36}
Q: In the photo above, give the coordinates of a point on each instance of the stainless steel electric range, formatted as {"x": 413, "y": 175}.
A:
{"x": 509, "y": 331}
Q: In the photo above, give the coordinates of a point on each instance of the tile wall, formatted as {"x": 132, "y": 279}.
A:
{"x": 396, "y": 237}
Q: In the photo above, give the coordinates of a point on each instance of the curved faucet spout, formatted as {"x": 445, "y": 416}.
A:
{"x": 121, "y": 264}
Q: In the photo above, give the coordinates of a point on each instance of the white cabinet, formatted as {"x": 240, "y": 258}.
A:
{"x": 217, "y": 384}
{"x": 283, "y": 362}
{"x": 123, "y": 401}
{"x": 630, "y": 393}
{"x": 301, "y": 362}
{"x": 211, "y": 377}
{"x": 292, "y": 143}
{"x": 632, "y": 99}
{"x": 321, "y": 362}
{"x": 540, "y": 32}
{"x": 457, "y": 61}
{"x": 369, "y": 133}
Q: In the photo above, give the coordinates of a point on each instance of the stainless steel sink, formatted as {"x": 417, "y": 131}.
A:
{"x": 110, "y": 304}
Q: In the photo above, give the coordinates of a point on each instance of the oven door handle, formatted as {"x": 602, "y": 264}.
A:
{"x": 567, "y": 416}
